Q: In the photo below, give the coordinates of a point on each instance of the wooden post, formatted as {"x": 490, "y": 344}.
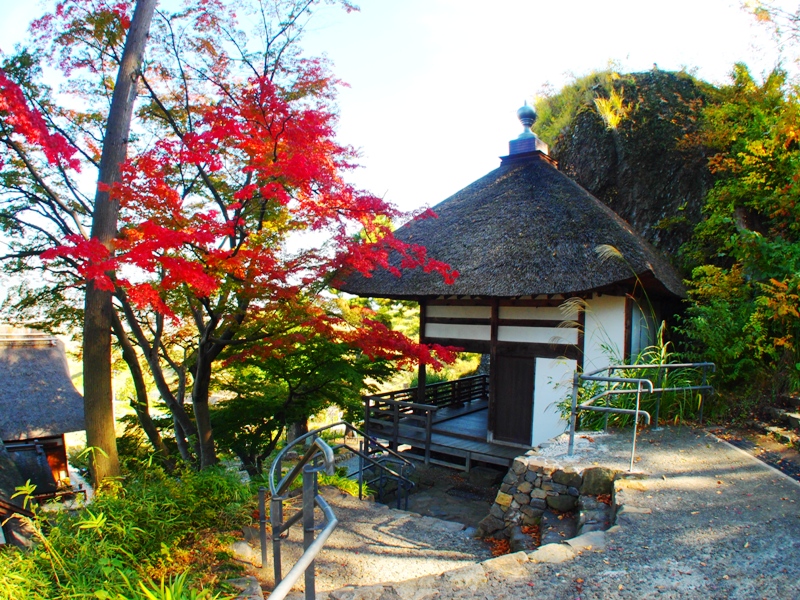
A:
{"x": 493, "y": 367}
{"x": 396, "y": 417}
{"x": 428, "y": 432}
{"x": 421, "y": 374}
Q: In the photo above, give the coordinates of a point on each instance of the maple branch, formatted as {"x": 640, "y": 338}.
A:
{"x": 167, "y": 114}
{"x": 288, "y": 23}
{"x": 48, "y": 115}
{"x": 40, "y": 180}
{"x": 184, "y": 84}
{"x": 56, "y": 241}
{"x": 151, "y": 355}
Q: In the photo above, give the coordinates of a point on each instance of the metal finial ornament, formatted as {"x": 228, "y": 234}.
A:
{"x": 526, "y": 116}
{"x": 527, "y": 141}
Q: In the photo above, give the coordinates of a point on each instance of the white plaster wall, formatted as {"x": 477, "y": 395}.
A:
{"x": 537, "y": 335}
{"x": 552, "y": 382}
{"x": 551, "y": 313}
{"x": 458, "y": 332}
{"x": 459, "y": 312}
{"x": 604, "y": 333}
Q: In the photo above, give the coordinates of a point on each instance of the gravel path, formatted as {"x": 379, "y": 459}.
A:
{"x": 709, "y": 521}
{"x": 374, "y": 543}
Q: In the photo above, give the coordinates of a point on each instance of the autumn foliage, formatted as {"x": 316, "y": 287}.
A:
{"x": 235, "y": 210}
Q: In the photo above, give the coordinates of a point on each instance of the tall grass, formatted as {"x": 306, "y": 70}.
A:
{"x": 152, "y": 536}
{"x": 675, "y": 407}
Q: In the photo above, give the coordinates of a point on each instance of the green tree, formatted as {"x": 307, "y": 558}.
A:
{"x": 743, "y": 312}
{"x": 268, "y": 393}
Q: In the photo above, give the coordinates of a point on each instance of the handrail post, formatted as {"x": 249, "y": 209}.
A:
{"x": 362, "y": 446}
{"x": 703, "y": 394}
{"x": 276, "y": 519}
{"x": 658, "y": 396}
{"x": 262, "y": 525}
{"x": 309, "y": 491}
{"x": 572, "y": 414}
{"x": 635, "y": 422}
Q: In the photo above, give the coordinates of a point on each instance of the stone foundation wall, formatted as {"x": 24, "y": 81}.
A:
{"x": 534, "y": 484}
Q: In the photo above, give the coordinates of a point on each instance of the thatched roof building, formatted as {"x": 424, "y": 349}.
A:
{"x": 550, "y": 281}
{"x": 37, "y": 397}
{"x": 525, "y": 229}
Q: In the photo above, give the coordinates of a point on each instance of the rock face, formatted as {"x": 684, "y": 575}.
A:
{"x": 650, "y": 170}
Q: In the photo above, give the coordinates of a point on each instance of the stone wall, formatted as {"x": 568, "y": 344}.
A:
{"x": 534, "y": 485}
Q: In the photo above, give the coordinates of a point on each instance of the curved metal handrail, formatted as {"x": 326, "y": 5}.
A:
{"x": 641, "y": 384}
{"x": 278, "y": 488}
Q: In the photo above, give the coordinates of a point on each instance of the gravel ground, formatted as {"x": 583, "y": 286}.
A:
{"x": 374, "y": 543}
{"x": 708, "y": 521}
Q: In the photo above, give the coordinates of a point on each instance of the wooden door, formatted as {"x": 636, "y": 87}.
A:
{"x": 513, "y": 399}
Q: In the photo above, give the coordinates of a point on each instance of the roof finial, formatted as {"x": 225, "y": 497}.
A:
{"x": 526, "y": 116}
{"x": 527, "y": 141}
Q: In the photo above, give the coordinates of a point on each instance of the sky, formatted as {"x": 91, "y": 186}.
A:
{"x": 434, "y": 85}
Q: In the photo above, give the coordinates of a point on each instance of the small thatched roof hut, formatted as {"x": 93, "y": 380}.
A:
{"x": 37, "y": 397}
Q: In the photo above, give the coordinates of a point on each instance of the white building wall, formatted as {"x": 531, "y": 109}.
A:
{"x": 537, "y": 335}
{"x": 458, "y": 312}
{"x": 552, "y": 383}
{"x": 604, "y": 332}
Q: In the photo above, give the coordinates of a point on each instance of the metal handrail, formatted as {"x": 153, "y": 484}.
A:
{"x": 311, "y": 497}
{"x": 308, "y": 466}
{"x": 641, "y": 384}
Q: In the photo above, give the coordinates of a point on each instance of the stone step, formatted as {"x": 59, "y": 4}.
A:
{"x": 784, "y": 418}
{"x": 785, "y": 436}
{"x": 557, "y": 527}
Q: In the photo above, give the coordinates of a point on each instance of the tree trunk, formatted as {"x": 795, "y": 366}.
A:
{"x": 141, "y": 403}
{"x": 98, "y": 397}
{"x": 180, "y": 439}
{"x": 295, "y": 430}
{"x": 202, "y": 417}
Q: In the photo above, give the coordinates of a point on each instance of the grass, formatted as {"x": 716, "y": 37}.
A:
{"x": 676, "y": 407}
{"x": 151, "y": 536}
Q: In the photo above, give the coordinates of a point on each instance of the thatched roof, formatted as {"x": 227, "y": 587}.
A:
{"x": 37, "y": 398}
{"x": 524, "y": 229}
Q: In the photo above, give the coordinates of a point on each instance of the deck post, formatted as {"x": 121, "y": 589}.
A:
{"x": 428, "y": 434}
{"x": 421, "y": 374}
{"x": 396, "y": 429}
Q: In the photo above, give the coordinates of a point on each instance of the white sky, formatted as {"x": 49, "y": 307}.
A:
{"x": 435, "y": 84}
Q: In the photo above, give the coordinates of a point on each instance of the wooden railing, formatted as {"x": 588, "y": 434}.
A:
{"x": 443, "y": 395}
{"x": 384, "y": 413}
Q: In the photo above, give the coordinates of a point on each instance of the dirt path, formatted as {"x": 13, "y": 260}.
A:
{"x": 721, "y": 525}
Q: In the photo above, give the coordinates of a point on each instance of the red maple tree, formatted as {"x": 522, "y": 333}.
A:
{"x": 235, "y": 211}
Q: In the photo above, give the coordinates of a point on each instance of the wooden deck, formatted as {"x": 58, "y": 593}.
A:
{"x": 448, "y": 428}
{"x": 457, "y": 442}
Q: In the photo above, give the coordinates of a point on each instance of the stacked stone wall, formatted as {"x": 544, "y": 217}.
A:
{"x": 534, "y": 485}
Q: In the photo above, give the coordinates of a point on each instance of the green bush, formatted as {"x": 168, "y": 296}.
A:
{"x": 137, "y": 534}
